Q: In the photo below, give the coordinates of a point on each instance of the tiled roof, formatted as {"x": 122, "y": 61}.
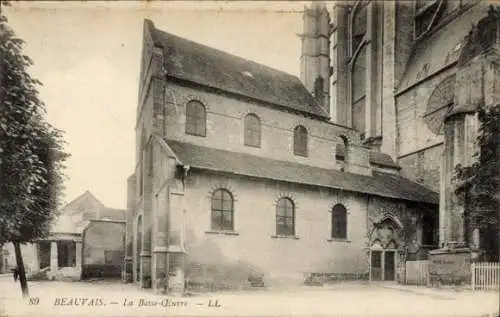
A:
{"x": 381, "y": 184}
{"x": 203, "y": 65}
{"x": 377, "y": 158}
{"x": 112, "y": 214}
{"x": 84, "y": 202}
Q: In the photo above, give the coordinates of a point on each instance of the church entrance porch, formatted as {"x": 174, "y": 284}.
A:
{"x": 384, "y": 254}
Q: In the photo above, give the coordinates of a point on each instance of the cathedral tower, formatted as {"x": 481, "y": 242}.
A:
{"x": 315, "y": 57}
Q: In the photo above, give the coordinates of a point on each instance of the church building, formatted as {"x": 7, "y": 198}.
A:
{"x": 249, "y": 176}
{"x": 410, "y": 76}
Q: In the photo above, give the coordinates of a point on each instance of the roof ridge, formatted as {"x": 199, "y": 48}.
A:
{"x": 194, "y": 62}
{"x": 241, "y": 58}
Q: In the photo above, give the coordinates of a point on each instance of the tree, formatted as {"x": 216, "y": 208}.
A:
{"x": 479, "y": 183}
{"x": 31, "y": 153}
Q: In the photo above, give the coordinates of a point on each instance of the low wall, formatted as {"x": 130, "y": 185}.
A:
{"x": 101, "y": 270}
{"x": 450, "y": 266}
{"x": 65, "y": 273}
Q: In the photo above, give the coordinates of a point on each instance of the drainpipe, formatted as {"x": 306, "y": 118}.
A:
{"x": 186, "y": 168}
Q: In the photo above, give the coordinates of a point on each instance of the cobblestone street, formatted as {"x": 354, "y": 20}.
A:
{"x": 351, "y": 299}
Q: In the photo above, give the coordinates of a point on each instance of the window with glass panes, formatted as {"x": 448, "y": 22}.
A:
{"x": 252, "y": 130}
{"x": 196, "y": 118}
{"x": 339, "y": 222}
{"x": 222, "y": 210}
{"x": 285, "y": 217}
{"x": 300, "y": 141}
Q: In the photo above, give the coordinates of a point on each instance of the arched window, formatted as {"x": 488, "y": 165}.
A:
{"x": 358, "y": 91}
{"x": 318, "y": 89}
{"x": 339, "y": 222}
{"x": 252, "y": 130}
{"x": 342, "y": 151}
{"x": 222, "y": 210}
{"x": 300, "y": 141}
{"x": 439, "y": 104}
{"x": 357, "y": 52}
{"x": 359, "y": 19}
{"x": 285, "y": 217}
{"x": 196, "y": 118}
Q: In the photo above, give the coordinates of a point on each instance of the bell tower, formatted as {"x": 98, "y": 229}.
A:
{"x": 315, "y": 57}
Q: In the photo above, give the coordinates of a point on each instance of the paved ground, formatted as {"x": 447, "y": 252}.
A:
{"x": 350, "y": 299}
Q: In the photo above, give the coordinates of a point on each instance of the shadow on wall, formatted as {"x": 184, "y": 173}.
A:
{"x": 207, "y": 269}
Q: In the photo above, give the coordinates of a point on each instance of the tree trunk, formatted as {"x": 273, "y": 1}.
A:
{"x": 2, "y": 269}
{"x": 20, "y": 267}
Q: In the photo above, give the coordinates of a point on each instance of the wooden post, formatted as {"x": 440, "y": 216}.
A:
{"x": 370, "y": 266}
{"x": 428, "y": 281}
{"x": 473, "y": 271}
{"x": 36, "y": 258}
{"x": 405, "y": 278}
{"x": 54, "y": 265}
{"x": 382, "y": 265}
{"x": 78, "y": 256}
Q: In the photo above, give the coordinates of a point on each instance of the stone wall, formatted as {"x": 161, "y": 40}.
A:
{"x": 103, "y": 249}
{"x": 225, "y": 128}
{"x": 423, "y": 166}
{"x": 413, "y": 133}
{"x": 254, "y": 247}
{"x": 419, "y": 148}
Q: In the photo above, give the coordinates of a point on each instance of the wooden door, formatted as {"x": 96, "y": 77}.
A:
{"x": 376, "y": 269}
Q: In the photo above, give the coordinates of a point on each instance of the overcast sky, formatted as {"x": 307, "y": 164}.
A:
{"x": 87, "y": 56}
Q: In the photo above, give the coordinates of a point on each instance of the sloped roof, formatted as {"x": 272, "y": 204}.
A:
{"x": 74, "y": 217}
{"x": 82, "y": 203}
{"x": 112, "y": 213}
{"x": 377, "y": 158}
{"x": 381, "y": 184}
{"x": 461, "y": 109}
{"x": 207, "y": 66}
{"x": 440, "y": 49}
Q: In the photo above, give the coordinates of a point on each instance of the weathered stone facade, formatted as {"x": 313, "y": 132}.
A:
{"x": 428, "y": 67}
{"x": 171, "y": 241}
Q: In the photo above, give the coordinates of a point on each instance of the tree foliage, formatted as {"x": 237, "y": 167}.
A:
{"x": 479, "y": 183}
{"x": 31, "y": 150}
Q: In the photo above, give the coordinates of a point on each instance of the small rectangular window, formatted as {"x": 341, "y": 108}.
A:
{"x": 108, "y": 257}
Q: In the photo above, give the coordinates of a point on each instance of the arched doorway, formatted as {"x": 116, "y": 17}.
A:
{"x": 138, "y": 249}
{"x": 384, "y": 244}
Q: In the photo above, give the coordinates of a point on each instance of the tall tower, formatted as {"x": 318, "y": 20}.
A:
{"x": 315, "y": 57}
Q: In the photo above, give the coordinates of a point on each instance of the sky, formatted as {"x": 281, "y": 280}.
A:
{"x": 87, "y": 55}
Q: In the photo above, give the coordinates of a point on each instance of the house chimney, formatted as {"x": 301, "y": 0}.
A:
{"x": 356, "y": 157}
